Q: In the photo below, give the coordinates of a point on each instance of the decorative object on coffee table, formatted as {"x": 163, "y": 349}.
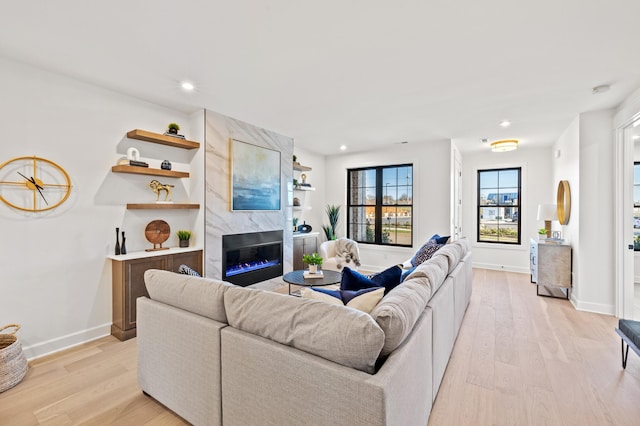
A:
{"x": 157, "y": 232}
{"x": 184, "y": 237}
{"x": 313, "y": 260}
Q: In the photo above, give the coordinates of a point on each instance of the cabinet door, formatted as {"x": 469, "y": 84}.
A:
{"x": 135, "y": 287}
{"x": 192, "y": 259}
{"x": 303, "y": 245}
{"x": 554, "y": 265}
{"x": 298, "y": 251}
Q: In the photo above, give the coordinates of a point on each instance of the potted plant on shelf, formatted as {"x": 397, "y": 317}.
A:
{"x": 333, "y": 213}
{"x": 173, "y": 128}
{"x": 542, "y": 234}
{"x": 295, "y": 224}
{"x": 313, "y": 260}
{"x": 184, "y": 237}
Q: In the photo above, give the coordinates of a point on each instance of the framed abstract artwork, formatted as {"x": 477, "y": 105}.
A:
{"x": 255, "y": 177}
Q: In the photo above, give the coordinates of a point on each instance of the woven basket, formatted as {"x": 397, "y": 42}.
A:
{"x": 13, "y": 363}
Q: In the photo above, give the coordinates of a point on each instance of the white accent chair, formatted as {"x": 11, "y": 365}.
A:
{"x": 330, "y": 262}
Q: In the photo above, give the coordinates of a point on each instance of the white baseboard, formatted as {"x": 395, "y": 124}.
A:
{"x": 497, "y": 267}
{"x": 597, "y": 308}
{"x": 65, "y": 342}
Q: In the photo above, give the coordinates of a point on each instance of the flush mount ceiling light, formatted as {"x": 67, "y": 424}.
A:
{"x": 505, "y": 123}
{"x": 635, "y": 137}
{"x": 343, "y": 147}
{"x": 188, "y": 86}
{"x": 504, "y": 145}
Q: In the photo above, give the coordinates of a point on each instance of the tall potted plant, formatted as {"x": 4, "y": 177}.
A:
{"x": 333, "y": 213}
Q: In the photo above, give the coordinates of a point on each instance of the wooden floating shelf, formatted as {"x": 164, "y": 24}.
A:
{"x": 299, "y": 167}
{"x": 147, "y": 171}
{"x": 176, "y": 142}
{"x": 154, "y": 206}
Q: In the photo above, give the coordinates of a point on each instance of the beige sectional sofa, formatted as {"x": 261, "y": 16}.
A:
{"x": 217, "y": 354}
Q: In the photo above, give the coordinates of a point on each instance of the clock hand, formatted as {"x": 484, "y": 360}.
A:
{"x": 38, "y": 187}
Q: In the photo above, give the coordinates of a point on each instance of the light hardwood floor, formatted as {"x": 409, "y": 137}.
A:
{"x": 519, "y": 359}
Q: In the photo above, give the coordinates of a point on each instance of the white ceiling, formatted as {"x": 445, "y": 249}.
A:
{"x": 363, "y": 73}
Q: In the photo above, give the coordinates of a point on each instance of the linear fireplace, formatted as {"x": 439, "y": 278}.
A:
{"x": 252, "y": 257}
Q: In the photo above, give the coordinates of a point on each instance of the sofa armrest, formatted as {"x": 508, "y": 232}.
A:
{"x": 179, "y": 360}
{"x": 288, "y": 386}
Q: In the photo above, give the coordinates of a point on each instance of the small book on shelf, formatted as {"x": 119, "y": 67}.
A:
{"x": 308, "y": 274}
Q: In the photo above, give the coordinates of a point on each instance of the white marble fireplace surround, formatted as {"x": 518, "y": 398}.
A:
{"x": 219, "y": 219}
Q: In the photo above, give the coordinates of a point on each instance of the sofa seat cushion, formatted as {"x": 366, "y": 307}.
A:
{"x": 345, "y": 336}
{"x": 363, "y": 300}
{"x": 202, "y": 296}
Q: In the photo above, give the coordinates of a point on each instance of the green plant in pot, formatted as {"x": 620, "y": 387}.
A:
{"x": 295, "y": 224}
{"x": 313, "y": 260}
{"x": 542, "y": 234}
{"x": 184, "y": 237}
{"x": 173, "y": 128}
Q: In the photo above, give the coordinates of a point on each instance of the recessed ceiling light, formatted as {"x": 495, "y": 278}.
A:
{"x": 505, "y": 123}
{"x": 187, "y": 86}
{"x": 343, "y": 147}
{"x": 635, "y": 137}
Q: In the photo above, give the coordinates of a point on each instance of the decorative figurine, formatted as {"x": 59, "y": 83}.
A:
{"x": 166, "y": 165}
{"x": 156, "y": 187}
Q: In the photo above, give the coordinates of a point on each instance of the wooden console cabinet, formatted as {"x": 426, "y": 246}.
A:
{"x": 128, "y": 282}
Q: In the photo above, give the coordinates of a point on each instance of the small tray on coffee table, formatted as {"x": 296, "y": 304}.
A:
{"x": 297, "y": 278}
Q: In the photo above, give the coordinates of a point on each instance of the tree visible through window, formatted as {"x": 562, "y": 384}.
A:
{"x": 380, "y": 205}
{"x": 499, "y": 206}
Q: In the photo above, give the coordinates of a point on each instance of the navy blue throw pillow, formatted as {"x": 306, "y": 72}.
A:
{"x": 353, "y": 280}
{"x": 442, "y": 240}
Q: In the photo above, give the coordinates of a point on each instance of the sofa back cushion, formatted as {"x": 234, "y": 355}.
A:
{"x": 453, "y": 254}
{"x": 398, "y": 311}
{"x": 343, "y": 335}
{"x": 202, "y": 296}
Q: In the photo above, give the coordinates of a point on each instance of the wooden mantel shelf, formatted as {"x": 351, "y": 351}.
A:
{"x": 154, "y": 206}
{"x": 176, "y": 142}
{"x": 122, "y": 168}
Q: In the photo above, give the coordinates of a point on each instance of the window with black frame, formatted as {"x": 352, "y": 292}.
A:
{"x": 499, "y": 212}
{"x": 380, "y": 205}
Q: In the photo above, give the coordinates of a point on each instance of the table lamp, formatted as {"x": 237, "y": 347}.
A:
{"x": 547, "y": 212}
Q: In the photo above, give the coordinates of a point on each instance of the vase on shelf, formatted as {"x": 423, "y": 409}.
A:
{"x": 117, "y": 241}
{"x": 123, "y": 248}
{"x": 184, "y": 243}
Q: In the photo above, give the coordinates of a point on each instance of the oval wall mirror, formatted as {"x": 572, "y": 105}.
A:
{"x": 563, "y": 202}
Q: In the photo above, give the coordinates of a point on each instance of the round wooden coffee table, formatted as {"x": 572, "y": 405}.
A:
{"x": 297, "y": 278}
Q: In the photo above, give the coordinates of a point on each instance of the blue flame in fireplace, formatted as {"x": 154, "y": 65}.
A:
{"x": 241, "y": 268}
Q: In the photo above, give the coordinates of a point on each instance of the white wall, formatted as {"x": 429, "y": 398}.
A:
{"x": 536, "y": 189}
{"x": 586, "y": 161}
{"x": 431, "y": 176}
{"x": 56, "y": 279}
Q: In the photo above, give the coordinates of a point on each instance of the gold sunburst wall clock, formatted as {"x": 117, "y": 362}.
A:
{"x": 33, "y": 184}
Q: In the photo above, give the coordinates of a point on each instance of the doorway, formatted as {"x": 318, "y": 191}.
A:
{"x": 627, "y": 219}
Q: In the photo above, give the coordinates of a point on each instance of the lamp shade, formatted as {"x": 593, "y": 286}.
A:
{"x": 547, "y": 212}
